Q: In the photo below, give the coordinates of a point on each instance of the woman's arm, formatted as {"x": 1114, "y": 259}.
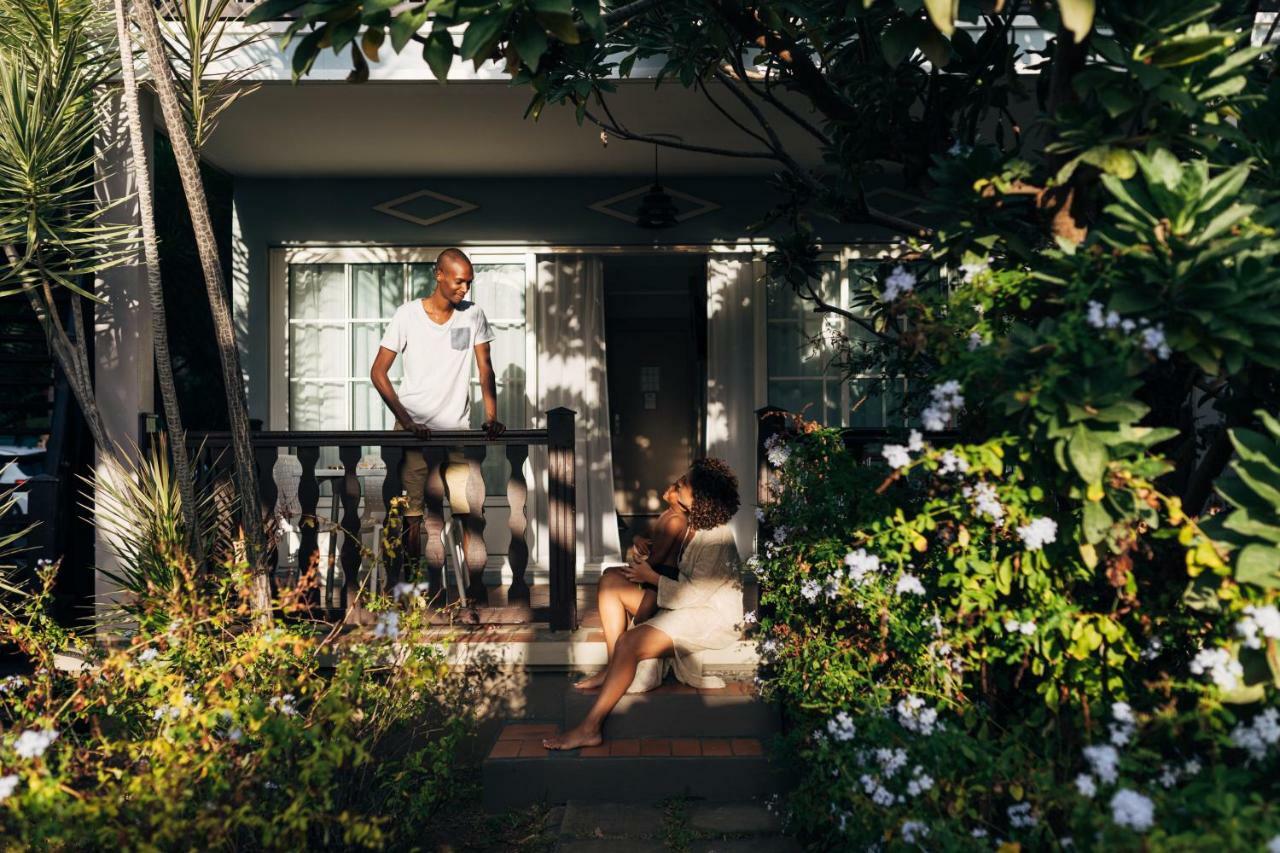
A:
{"x": 664, "y": 553}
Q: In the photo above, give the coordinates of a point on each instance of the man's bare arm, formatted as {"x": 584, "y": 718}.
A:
{"x": 382, "y": 381}
{"x": 489, "y": 390}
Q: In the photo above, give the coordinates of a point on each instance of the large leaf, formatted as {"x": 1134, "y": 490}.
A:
{"x": 530, "y": 41}
{"x": 438, "y": 52}
{"x": 943, "y": 14}
{"x": 1077, "y": 17}
{"x": 1088, "y": 455}
{"x": 271, "y": 9}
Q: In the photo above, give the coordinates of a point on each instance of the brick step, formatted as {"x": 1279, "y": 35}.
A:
{"x": 518, "y": 772}
{"x": 676, "y": 710}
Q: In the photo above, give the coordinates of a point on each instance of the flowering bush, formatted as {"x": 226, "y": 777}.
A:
{"x": 207, "y": 724}
{"x": 1044, "y": 634}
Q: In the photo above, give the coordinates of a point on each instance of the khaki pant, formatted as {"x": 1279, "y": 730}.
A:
{"x": 413, "y": 479}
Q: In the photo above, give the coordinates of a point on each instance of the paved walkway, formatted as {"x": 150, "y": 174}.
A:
{"x": 676, "y": 825}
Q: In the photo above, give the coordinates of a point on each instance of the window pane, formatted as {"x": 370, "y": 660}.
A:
{"x": 499, "y": 290}
{"x": 365, "y": 338}
{"x": 318, "y": 405}
{"x": 866, "y": 398}
{"x": 422, "y": 280}
{"x": 367, "y": 409}
{"x": 316, "y": 291}
{"x": 317, "y": 350}
{"x": 804, "y": 396}
{"x": 376, "y": 289}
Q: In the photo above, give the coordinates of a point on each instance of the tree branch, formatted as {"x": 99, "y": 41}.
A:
{"x": 622, "y": 133}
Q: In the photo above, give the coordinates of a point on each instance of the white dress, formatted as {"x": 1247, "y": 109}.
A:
{"x": 702, "y": 608}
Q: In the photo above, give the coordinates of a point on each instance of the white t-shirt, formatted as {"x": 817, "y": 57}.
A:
{"x": 435, "y": 388}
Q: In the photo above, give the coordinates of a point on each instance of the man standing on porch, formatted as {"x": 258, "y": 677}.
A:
{"x": 441, "y": 338}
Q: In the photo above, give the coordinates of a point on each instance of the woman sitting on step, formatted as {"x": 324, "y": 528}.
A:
{"x": 615, "y": 598}
{"x": 699, "y": 609}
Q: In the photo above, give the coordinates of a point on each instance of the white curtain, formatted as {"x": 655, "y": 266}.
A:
{"x": 732, "y": 296}
{"x": 572, "y": 373}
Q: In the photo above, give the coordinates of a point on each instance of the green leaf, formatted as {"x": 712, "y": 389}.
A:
{"x": 1096, "y": 522}
{"x": 560, "y": 26}
{"x": 899, "y": 39}
{"x": 438, "y": 53}
{"x": 271, "y": 10}
{"x": 372, "y": 7}
{"x": 405, "y": 25}
{"x": 481, "y": 36}
{"x": 1077, "y": 17}
{"x": 935, "y": 47}
{"x": 372, "y": 41}
{"x": 530, "y": 42}
{"x": 590, "y": 11}
{"x": 307, "y": 50}
{"x": 1259, "y": 565}
{"x": 943, "y": 14}
{"x": 553, "y": 7}
{"x": 1088, "y": 455}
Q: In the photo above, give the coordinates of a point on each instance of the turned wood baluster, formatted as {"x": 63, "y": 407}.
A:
{"x": 477, "y": 554}
{"x": 433, "y": 523}
{"x": 393, "y": 532}
{"x": 562, "y": 519}
{"x": 265, "y": 457}
{"x": 308, "y": 533}
{"x": 518, "y": 522}
{"x": 350, "y": 493}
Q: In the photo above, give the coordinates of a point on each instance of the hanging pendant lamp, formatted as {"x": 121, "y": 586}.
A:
{"x": 657, "y": 208}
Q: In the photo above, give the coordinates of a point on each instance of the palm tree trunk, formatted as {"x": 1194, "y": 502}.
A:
{"x": 72, "y": 357}
{"x": 159, "y": 325}
{"x": 228, "y": 354}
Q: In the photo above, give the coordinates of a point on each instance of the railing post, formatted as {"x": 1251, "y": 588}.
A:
{"x": 518, "y": 523}
{"x": 562, "y": 519}
{"x": 392, "y": 531}
{"x": 42, "y": 507}
{"x": 474, "y": 550}
{"x": 265, "y": 456}
{"x": 308, "y": 532}
{"x": 349, "y": 455}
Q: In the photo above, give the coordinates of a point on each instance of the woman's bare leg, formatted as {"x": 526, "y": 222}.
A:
{"x": 616, "y": 598}
{"x": 648, "y": 606}
{"x": 640, "y": 643}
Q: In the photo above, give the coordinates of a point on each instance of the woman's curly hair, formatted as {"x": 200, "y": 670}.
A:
{"x": 715, "y": 493}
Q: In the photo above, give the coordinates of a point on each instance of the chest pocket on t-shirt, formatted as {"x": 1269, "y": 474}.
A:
{"x": 460, "y": 338}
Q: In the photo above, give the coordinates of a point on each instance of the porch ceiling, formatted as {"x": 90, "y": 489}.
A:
{"x": 473, "y": 128}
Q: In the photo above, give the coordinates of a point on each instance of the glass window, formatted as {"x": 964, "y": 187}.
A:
{"x": 801, "y": 375}
{"x": 338, "y": 313}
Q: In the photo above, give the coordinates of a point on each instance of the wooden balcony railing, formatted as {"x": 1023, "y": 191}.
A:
{"x": 465, "y": 488}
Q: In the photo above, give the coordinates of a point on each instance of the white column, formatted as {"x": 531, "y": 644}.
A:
{"x": 735, "y": 316}
{"x": 124, "y": 368}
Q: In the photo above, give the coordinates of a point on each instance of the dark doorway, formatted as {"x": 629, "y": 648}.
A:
{"x": 655, "y": 328}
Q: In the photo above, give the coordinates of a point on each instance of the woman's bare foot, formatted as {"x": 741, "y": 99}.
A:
{"x": 574, "y": 738}
{"x": 591, "y": 682}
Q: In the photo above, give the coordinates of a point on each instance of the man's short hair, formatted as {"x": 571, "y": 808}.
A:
{"x": 452, "y": 254}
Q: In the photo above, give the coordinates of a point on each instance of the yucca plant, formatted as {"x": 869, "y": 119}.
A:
{"x": 53, "y": 62}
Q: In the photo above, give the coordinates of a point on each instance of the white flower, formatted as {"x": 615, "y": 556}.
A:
{"x": 946, "y": 401}
{"x": 810, "y": 589}
{"x": 909, "y": 583}
{"x": 760, "y": 515}
{"x": 1259, "y": 620}
{"x": 1013, "y": 626}
{"x": 841, "y": 727}
{"x": 1020, "y": 816}
{"x": 1154, "y": 647}
{"x": 1086, "y": 786}
{"x": 1094, "y": 314}
{"x": 33, "y": 742}
{"x": 860, "y": 564}
{"x": 1131, "y": 809}
{"x": 235, "y": 734}
{"x": 896, "y": 455}
{"x": 882, "y": 796}
{"x": 749, "y": 617}
{"x": 891, "y": 760}
{"x": 11, "y": 683}
{"x": 1038, "y": 532}
{"x": 148, "y": 654}
{"x": 1191, "y": 768}
{"x": 1220, "y": 666}
{"x": 1273, "y": 846}
{"x": 959, "y": 149}
{"x": 1122, "y": 712}
{"x": 950, "y": 463}
{"x": 1113, "y": 320}
{"x": 915, "y": 716}
{"x": 972, "y": 269}
{"x": 1104, "y": 760}
{"x": 283, "y": 704}
{"x": 913, "y": 831}
{"x": 920, "y": 782}
{"x": 768, "y": 646}
{"x": 1259, "y": 735}
{"x": 388, "y": 625}
{"x": 1168, "y": 776}
{"x": 899, "y": 282}
{"x": 780, "y": 534}
{"x": 1153, "y": 340}
{"x": 8, "y": 784}
{"x": 974, "y": 342}
{"x": 985, "y": 502}
{"x": 776, "y": 450}
{"x": 978, "y": 832}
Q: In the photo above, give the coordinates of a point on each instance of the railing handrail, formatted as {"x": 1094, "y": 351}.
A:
{"x": 384, "y": 438}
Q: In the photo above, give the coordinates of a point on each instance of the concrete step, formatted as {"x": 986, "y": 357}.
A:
{"x": 676, "y": 710}
{"x": 518, "y": 772}
{"x": 608, "y": 827}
